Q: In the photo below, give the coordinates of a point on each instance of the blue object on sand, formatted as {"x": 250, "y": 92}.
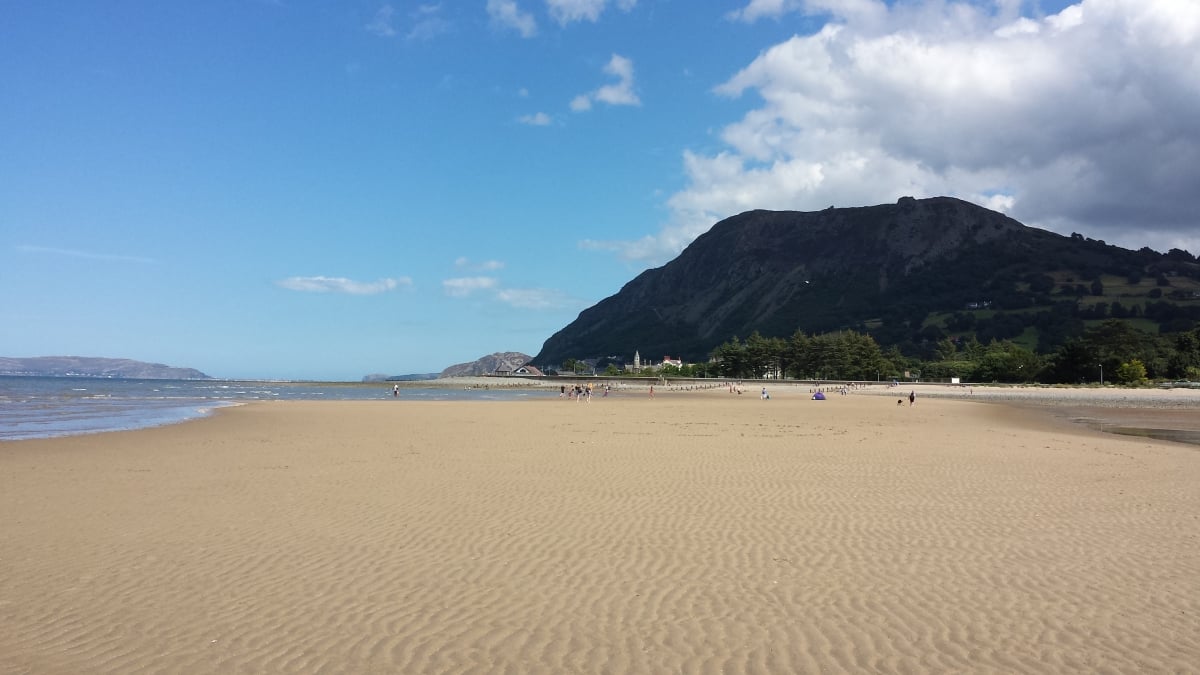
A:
{"x": 819, "y": 396}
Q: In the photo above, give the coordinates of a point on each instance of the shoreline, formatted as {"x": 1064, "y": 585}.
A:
{"x": 1160, "y": 414}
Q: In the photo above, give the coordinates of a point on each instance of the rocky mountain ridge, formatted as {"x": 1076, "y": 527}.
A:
{"x": 880, "y": 269}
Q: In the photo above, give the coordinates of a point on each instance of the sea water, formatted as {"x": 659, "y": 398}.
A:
{"x": 42, "y": 407}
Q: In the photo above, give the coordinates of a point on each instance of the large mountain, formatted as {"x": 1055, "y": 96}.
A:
{"x": 881, "y": 269}
{"x": 85, "y": 366}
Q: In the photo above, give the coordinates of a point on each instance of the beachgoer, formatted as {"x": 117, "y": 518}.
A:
{"x": 912, "y": 397}
{"x": 395, "y": 390}
{"x": 651, "y": 391}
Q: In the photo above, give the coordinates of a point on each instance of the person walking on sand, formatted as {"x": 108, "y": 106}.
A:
{"x": 651, "y": 391}
{"x": 912, "y": 398}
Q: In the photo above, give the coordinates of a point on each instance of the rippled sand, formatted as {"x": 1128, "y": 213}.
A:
{"x": 695, "y": 532}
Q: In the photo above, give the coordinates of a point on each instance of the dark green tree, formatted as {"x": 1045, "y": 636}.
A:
{"x": 761, "y": 357}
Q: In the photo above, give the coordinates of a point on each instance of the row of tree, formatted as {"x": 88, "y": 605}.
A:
{"x": 1113, "y": 350}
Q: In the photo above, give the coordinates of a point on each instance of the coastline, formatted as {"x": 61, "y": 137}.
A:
{"x": 697, "y": 530}
{"x": 86, "y": 406}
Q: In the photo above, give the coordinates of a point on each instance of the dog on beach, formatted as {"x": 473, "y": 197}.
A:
{"x": 899, "y": 401}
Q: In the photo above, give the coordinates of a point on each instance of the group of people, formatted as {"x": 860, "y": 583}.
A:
{"x": 582, "y": 393}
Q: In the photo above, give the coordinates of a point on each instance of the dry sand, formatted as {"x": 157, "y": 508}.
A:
{"x": 696, "y": 532}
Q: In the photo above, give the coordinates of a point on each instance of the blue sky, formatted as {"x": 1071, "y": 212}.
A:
{"x": 288, "y": 189}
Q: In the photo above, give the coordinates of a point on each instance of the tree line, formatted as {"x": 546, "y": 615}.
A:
{"x": 1113, "y": 350}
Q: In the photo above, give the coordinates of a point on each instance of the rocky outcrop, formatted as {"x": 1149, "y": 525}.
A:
{"x": 488, "y": 365}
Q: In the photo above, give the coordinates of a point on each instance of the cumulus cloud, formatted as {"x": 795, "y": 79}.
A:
{"x": 342, "y": 285}
{"x": 620, "y": 93}
{"x": 506, "y": 14}
{"x": 539, "y": 119}
{"x": 1087, "y": 120}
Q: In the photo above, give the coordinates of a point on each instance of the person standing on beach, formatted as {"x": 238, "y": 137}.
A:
{"x": 651, "y": 391}
{"x": 912, "y": 398}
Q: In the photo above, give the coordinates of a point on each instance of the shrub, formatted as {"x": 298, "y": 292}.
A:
{"x": 1131, "y": 372}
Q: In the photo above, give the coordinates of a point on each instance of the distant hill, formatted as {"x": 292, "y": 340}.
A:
{"x": 909, "y": 274}
{"x": 487, "y": 365}
{"x": 414, "y": 377}
{"x": 83, "y": 366}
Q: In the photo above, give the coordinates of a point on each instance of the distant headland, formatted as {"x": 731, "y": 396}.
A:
{"x": 86, "y": 366}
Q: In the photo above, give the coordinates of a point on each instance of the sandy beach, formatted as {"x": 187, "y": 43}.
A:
{"x": 695, "y": 532}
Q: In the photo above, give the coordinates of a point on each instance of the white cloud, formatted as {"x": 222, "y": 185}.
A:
{"x": 341, "y": 285}
{"x": 381, "y": 23}
{"x": 860, "y": 11}
{"x": 581, "y": 103}
{"x": 534, "y": 298}
{"x": 1087, "y": 120}
{"x": 539, "y": 119}
{"x": 566, "y": 11}
{"x": 520, "y": 298}
{"x": 758, "y": 9}
{"x": 465, "y": 263}
{"x": 465, "y": 286}
{"x": 506, "y": 14}
{"x": 428, "y": 23}
{"x": 621, "y": 93}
